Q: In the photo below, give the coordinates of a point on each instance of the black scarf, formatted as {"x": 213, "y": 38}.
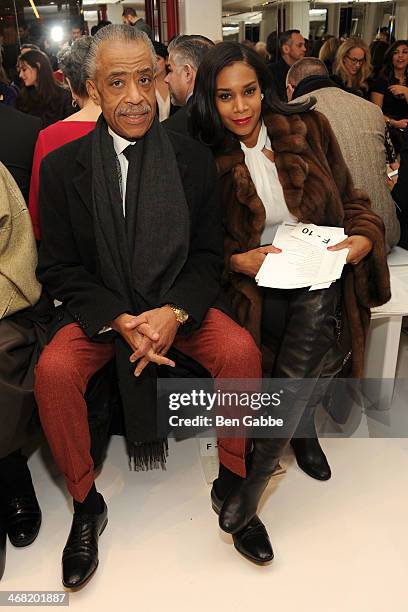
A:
{"x": 139, "y": 258}
{"x": 312, "y": 83}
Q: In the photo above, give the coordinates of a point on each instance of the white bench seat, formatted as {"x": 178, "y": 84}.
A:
{"x": 385, "y": 331}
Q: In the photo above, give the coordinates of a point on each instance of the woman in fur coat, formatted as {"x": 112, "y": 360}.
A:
{"x": 280, "y": 163}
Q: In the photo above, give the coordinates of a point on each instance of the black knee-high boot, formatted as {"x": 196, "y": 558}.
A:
{"x": 308, "y": 452}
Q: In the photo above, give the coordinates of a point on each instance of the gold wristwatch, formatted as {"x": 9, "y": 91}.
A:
{"x": 180, "y": 314}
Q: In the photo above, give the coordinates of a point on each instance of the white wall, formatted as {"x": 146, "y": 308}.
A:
{"x": 297, "y": 16}
{"x": 268, "y": 23}
{"x": 204, "y": 18}
{"x": 401, "y": 18}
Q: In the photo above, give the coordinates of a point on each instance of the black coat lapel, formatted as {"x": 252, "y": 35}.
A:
{"x": 83, "y": 180}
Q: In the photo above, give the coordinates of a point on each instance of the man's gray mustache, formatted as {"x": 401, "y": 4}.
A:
{"x": 137, "y": 110}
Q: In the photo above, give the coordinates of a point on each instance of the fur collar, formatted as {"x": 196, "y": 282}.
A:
{"x": 310, "y": 192}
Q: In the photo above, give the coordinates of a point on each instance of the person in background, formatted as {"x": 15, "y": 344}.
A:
{"x": 186, "y": 52}
{"x": 390, "y": 90}
{"x": 24, "y": 312}
{"x": 272, "y": 46}
{"x": 24, "y": 32}
{"x": 262, "y": 51}
{"x": 360, "y": 131}
{"x": 383, "y": 35}
{"x": 309, "y": 44}
{"x": 10, "y": 51}
{"x": 99, "y": 26}
{"x": 352, "y": 67}
{"x": 29, "y": 47}
{"x": 378, "y": 50}
{"x": 37, "y": 34}
{"x": 19, "y": 133}
{"x": 71, "y": 60}
{"x": 41, "y": 95}
{"x": 400, "y": 191}
{"x": 8, "y": 92}
{"x": 162, "y": 89}
{"x": 292, "y": 48}
{"x": 318, "y": 44}
{"x": 76, "y": 32}
{"x": 129, "y": 17}
{"x": 328, "y": 52}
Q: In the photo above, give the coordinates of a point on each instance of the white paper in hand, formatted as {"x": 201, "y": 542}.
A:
{"x": 301, "y": 264}
{"x": 318, "y": 235}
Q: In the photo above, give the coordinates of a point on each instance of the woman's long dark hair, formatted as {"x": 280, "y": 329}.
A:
{"x": 387, "y": 71}
{"x": 205, "y": 121}
{"x": 46, "y": 96}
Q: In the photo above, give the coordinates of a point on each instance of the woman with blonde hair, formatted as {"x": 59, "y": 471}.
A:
{"x": 352, "y": 67}
{"x": 262, "y": 50}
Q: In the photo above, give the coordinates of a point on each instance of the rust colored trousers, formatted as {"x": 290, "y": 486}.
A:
{"x": 67, "y": 363}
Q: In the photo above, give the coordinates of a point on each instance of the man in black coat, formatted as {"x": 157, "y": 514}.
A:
{"x": 19, "y": 133}
{"x": 132, "y": 247}
{"x": 291, "y": 48}
{"x": 185, "y": 55}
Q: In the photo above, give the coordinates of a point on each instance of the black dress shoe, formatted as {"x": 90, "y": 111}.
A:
{"x": 23, "y": 519}
{"x": 3, "y": 544}
{"x": 311, "y": 458}
{"x": 80, "y": 556}
{"x": 241, "y": 504}
{"x": 253, "y": 541}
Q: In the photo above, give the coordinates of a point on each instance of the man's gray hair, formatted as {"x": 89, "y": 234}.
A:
{"x": 116, "y": 33}
{"x": 308, "y": 66}
{"x": 189, "y": 49}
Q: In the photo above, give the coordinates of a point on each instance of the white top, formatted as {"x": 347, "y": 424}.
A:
{"x": 120, "y": 145}
{"x": 163, "y": 105}
{"x": 265, "y": 177}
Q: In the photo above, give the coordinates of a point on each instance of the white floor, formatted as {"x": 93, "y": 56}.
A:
{"x": 340, "y": 546}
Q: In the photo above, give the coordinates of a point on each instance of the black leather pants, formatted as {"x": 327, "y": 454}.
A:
{"x": 301, "y": 328}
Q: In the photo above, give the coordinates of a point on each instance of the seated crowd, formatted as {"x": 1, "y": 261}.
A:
{"x": 246, "y": 144}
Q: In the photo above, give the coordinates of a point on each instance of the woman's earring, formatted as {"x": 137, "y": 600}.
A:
{"x": 262, "y": 96}
{"x": 74, "y": 103}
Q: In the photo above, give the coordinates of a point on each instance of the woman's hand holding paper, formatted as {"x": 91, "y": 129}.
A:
{"x": 359, "y": 247}
{"x": 249, "y": 263}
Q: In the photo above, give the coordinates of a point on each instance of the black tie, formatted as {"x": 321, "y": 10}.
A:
{"x": 130, "y": 154}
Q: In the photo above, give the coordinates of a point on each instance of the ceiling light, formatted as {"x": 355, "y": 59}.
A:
{"x": 34, "y": 9}
{"x": 57, "y": 34}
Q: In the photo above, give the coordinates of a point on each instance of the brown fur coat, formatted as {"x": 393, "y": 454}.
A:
{"x": 318, "y": 189}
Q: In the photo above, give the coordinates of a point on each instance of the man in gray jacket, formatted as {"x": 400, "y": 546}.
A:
{"x": 359, "y": 129}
